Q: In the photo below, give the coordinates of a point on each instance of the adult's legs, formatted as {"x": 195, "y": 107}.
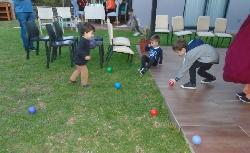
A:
{"x": 23, "y": 17}
{"x": 246, "y": 90}
{"x": 30, "y": 17}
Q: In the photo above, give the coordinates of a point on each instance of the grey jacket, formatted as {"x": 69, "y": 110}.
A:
{"x": 203, "y": 53}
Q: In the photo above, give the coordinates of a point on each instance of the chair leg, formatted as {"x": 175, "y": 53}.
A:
{"x": 109, "y": 56}
{"x": 211, "y": 41}
{"x": 53, "y": 57}
{"x": 128, "y": 57}
{"x": 71, "y": 49}
{"x": 131, "y": 59}
{"x": 230, "y": 39}
{"x": 167, "y": 38}
{"x": 101, "y": 54}
{"x": 222, "y": 40}
{"x": 60, "y": 50}
{"x": 37, "y": 48}
{"x": 55, "y": 53}
{"x": 172, "y": 38}
{"x": 27, "y": 54}
{"x": 206, "y": 39}
{"x": 218, "y": 39}
{"x": 109, "y": 50}
{"x": 48, "y": 53}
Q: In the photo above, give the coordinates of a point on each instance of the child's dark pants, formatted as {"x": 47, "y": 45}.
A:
{"x": 146, "y": 62}
{"x": 203, "y": 67}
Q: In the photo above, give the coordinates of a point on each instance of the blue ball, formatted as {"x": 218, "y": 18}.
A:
{"x": 118, "y": 85}
{"x": 32, "y": 110}
{"x": 196, "y": 139}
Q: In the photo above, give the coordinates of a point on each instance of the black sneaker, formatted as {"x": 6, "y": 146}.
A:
{"x": 206, "y": 81}
{"x": 244, "y": 99}
{"x": 86, "y": 86}
{"x": 240, "y": 94}
{"x": 72, "y": 82}
{"x": 32, "y": 49}
{"x": 188, "y": 85}
{"x": 142, "y": 71}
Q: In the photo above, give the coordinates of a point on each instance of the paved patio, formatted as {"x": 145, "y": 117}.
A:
{"x": 211, "y": 111}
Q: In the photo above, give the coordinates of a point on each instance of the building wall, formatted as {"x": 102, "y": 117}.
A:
{"x": 237, "y": 11}
{"x": 142, "y": 8}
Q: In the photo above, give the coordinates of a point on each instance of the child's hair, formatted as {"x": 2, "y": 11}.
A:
{"x": 179, "y": 44}
{"x": 87, "y": 27}
{"x": 155, "y": 38}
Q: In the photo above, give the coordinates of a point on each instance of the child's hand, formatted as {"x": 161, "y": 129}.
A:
{"x": 87, "y": 58}
{"x": 171, "y": 82}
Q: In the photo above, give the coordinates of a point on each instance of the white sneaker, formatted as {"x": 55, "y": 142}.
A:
{"x": 136, "y": 34}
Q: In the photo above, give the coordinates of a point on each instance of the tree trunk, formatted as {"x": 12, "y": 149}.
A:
{"x": 153, "y": 17}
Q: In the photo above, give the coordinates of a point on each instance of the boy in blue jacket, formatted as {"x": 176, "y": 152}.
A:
{"x": 196, "y": 54}
{"x": 154, "y": 55}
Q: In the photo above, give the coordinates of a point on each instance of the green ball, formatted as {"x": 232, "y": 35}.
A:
{"x": 109, "y": 69}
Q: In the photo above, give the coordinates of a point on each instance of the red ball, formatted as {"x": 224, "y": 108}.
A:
{"x": 170, "y": 83}
{"x": 154, "y": 112}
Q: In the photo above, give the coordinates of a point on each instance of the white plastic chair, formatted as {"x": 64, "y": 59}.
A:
{"x": 161, "y": 24}
{"x": 64, "y": 15}
{"x": 220, "y": 30}
{"x": 203, "y": 24}
{"x": 45, "y": 16}
{"x": 117, "y": 41}
{"x": 118, "y": 47}
{"x": 178, "y": 27}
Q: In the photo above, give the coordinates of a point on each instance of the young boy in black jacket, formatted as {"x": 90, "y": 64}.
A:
{"x": 82, "y": 55}
{"x": 154, "y": 55}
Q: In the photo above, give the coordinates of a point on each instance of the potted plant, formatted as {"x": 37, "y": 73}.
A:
{"x": 144, "y": 41}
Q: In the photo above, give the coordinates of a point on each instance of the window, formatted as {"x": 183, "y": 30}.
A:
{"x": 196, "y": 8}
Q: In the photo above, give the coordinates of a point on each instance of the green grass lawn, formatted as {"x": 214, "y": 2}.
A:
{"x": 73, "y": 119}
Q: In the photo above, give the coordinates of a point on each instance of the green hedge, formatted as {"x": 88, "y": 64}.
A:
{"x": 51, "y": 2}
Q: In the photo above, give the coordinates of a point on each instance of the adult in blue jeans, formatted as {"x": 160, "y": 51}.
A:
{"x": 24, "y": 13}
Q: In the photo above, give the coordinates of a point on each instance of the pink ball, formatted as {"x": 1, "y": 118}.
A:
{"x": 170, "y": 83}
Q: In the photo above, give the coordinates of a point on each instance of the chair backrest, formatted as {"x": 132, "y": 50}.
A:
{"x": 32, "y": 30}
{"x": 110, "y": 32}
{"x": 58, "y": 30}
{"x": 63, "y": 12}
{"x": 51, "y": 32}
{"x": 80, "y": 28}
{"x": 124, "y": 8}
{"x": 161, "y": 22}
{"x": 117, "y": 8}
{"x": 177, "y": 23}
{"x": 220, "y": 25}
{"x": 203, "y": 23}
{"x": 45, "y": 13}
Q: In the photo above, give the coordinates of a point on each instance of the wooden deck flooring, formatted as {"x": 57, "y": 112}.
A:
{"x": 211, "y": 111}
